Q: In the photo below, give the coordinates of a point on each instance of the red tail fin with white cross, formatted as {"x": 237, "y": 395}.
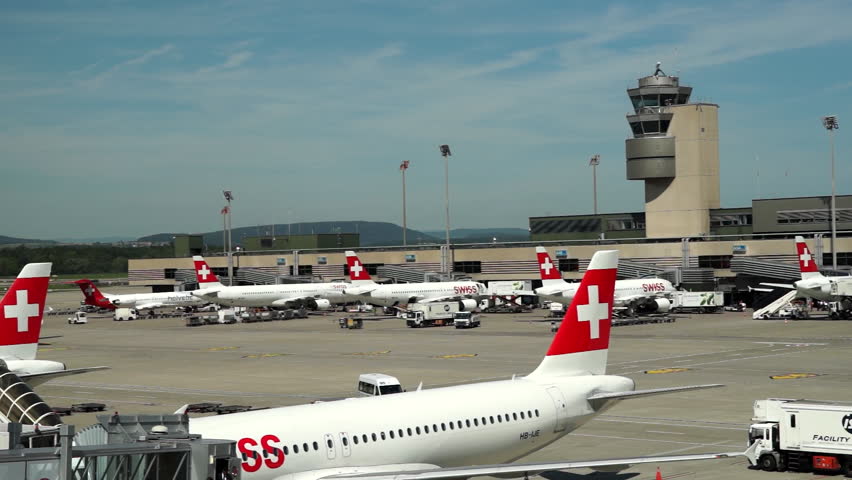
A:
{"x": 581, "y": 344}
{"x": 21, "y": 312}
{"x": 93, "y": 296}
{"x": 204, "y": 274}
{"x": 357, "y": 271}
{"x": 549, "y": 271}
{"x": 807, "y": 263}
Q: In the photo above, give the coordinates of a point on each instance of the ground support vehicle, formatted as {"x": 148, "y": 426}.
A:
{"x": 466, "y": 320}
{"x": 801, "y": 436}
{"x": 377, "y": 384}
{"x": 79, "y": 317}
{"x": 432, "y": 314}
{"x": 122, "y": 314}
{"x": 700, "y": 302}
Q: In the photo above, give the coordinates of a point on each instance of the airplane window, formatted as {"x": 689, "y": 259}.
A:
{"x": 522, "y": 415}
{"x": 459, "y": 423}
{"x": 305, "y": 446}
{"x": 355, "y": 439}
{"x": 452, "y": 426}
{"x": 507, "y": 417}
{"x": 345, "y": 442}
{"x": 391, "y": 434}
{"x": 514, "y": 416}
{"x": 400, "y": 433}
{"x": 475, "y": 422}
{"x": 286, "y": 451}
{"x": 443, "y": 427}
{"x": 529, "y": 413}
{"x": 434, "y": 428}
{"x": 417, "y": 429}
{"x": 382, "y": 434}
{"x": 374, "y": 437}
{"x": 409, "y": 431}
{"x": 467, "y": 422}
{"x": 364, "y": 438}
{"x": 426, "y": 428}
{"x": 316, "y": 446}
{"x": 265, "y": 453}
{"x": 492, "y": 420}
{"x": 295, "y": 449}
{"x": 245, "y": 457}
{"x": 536, "y": 412}
{"x": 483, "y": 421}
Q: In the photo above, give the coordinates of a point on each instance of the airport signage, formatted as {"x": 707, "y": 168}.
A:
{"x": 562, "y": 254}
{"x": 281, "y": 261}
{"x": 322, "y": 260}
{"x": 410, "y": 258}
{"x": 740, "y": 250}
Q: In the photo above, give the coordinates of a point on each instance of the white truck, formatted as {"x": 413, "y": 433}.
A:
{"x": 466, "y": 320}
{"x": 801, "y": 436}
{"x": 79, "y": 317}
{"x": 377, "y": 384}
{"x": 122, "y": 314}
{"x": 703, "y": 302}
{"x": 435, "y": 313}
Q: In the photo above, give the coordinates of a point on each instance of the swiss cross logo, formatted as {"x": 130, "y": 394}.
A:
{"x": 21, "y": 310}
{"x": 547, "y": 265}
{"x": 593, "y": 312}
{"x": 356, "y": 269}
{"x": 90, "y": 290}
{"x": 203, "y": 271}
{"x": 805, "y": 257}
{"x": 586, "y": 325}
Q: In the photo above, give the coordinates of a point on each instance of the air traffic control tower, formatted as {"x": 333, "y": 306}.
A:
{"x": 675, "y": 150}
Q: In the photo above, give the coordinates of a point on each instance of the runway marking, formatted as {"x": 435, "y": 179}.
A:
{"x": 178, "y": 390}
{"x": 790, "y": 352}
{"x": 667, "y": 370}
{"x": 370, "y": 354}
{"x": 220, "y": 349}
{"x": 266, "y": 355}
{"x": 108, "y": 401}
{"x": 664, "y": 432}
{"x": 794, "y": 344}
{"x": 457, "y": 355}
{"x": 794, "y": 376}
{"x": 54, "y": 349}
{"x": 695, "y": 444}
{"x": 667, "y": 424}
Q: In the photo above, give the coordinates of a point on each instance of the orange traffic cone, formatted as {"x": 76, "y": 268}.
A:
{"x": 659, "y": 475}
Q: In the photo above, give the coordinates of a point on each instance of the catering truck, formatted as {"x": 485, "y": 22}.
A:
{"x": 801, "y": 436}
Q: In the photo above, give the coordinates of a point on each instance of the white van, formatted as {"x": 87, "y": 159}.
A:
{"x": 122, "y": 314}
{"x": 377, "y": 384}
{"x": 79, "y": 317}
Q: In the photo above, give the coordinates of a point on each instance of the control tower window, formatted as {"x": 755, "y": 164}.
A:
{"x": 667, "y": 99}
{"x": 636, "y": 127}
{"x": 651, "y": 127}
{"x": 650, "y": 101}
{"x": 664, "y": 125}
{"x": 637, "y": 102}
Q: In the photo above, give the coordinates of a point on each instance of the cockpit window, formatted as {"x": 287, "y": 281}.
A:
{"x": 388, "y": 389}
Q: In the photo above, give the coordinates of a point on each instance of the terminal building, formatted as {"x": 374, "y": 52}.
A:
{"x": 683, "y": 233}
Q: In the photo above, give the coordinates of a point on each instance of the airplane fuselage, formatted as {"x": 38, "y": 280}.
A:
{"x": 625, "y": 290}
{"x": 268, "y": 295}
{"x": 166, "y": 299}
{"x": 493, "y": 422}
{"x": 405, "y": 293}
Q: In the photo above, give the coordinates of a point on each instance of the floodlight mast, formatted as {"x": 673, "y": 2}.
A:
{"x": 830, "y": 124}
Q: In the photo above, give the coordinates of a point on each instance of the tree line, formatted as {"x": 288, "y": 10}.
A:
{"x": 78, "y": 259}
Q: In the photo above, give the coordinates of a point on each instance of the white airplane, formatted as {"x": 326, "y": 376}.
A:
{"x": 404, "y": 437}
{"x": 646, "y": 295}
{"x": 21, "y": 314}
{"x": 139, "y": 301}
{"x": 316, "y": 296}
{"x": 816, "y": 285}
{"x": 389, "y": 295}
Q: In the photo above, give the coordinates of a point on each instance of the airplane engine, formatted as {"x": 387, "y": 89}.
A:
{"x": 663, "y": 305}
{"x": 322, "y": 304}
{"x": 468, "y": 305}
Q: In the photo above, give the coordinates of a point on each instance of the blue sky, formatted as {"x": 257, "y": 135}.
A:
{"x": 129, "y": 118}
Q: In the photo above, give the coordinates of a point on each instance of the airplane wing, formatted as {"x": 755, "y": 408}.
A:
{"x": 143, "y": 306}
{"x": 283, "y": 302}
{"x": 34, "y": 379}
{"x": 653, "y": 391}
{"x": 523, "y": 469}
{"x": 361, "y": 290}
{"x": 779, "y": 285}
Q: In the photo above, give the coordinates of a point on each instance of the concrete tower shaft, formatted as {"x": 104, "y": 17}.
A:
{"x": 675, "y": 150}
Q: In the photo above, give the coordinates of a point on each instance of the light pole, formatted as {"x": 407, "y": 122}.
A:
{"x": 594, "y": 162}
{"x": 403, "y": 167}
{"x": 830, "y": 124}
{"x": 229, "y": 196}
{"x": 445, "y": 152}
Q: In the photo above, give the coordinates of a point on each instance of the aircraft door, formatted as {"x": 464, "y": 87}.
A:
{"x": 561, "y": 408}
{"x": 329, "y": 446}
{"x": 344, "y": 444}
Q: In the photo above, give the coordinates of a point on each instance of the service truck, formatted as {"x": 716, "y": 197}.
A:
{"x": 432, "y": 314}
{"x": 377, "y": 384}
{"x": 466, "y": 320}
{"x": 801, "y": 436}
{"x": 703, "y": 302}
{"x": 122, "y": 314}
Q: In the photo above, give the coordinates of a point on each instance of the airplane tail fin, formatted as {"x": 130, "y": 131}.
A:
{"x": 358, "y": 274}
{"x": 807, "y": 265}
{"x": 581, "y": 344}
{"x": 92, "y": 295}
{"x": 21, "y": 312}
{"x": 549, "y": 271}
{"x": 204, "y": 274}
